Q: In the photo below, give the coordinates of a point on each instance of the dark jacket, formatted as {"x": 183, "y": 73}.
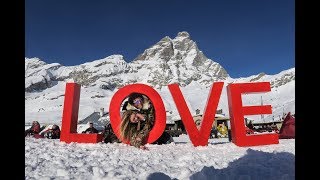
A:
{"x": 90, "y": 130}
{"x": 51, "y": 133}
{"x": 109, "y": 136}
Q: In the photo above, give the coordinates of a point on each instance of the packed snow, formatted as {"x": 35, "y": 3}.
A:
{"x": 52, "y": 159}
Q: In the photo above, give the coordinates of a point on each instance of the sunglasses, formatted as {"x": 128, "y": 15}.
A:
{"x": 138, "y": 101}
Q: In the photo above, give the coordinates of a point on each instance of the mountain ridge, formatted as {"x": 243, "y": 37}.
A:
{"x": 169, "y": 61}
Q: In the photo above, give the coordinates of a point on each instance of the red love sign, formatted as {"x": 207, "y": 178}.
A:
{"x": 160, "y": 112}
{"x": 197, "y": 137}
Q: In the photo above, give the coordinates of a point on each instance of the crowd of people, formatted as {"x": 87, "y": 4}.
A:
{"x": 250, "y": 128}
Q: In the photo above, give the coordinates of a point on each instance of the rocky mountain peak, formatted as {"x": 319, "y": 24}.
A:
{"x": 165, "y": 40}
{"x": 183, "y": 34}
{"x": 179, "y": 60}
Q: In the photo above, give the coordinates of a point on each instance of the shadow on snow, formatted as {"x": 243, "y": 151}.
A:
{"x": 254, "y": 165}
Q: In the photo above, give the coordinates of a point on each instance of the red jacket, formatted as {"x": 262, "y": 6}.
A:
{"x": 35, "y": 128}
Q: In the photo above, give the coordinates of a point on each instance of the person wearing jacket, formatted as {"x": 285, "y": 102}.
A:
{"x": 135, "y": 128}
{"x": 109, "y": 136}
{"x": 90, "y": 129}
{"x": 51, "y": 133}
{"x": 222, "y": 130}
{"x": 34, "y": 129}
{"x": 141, "y": 105}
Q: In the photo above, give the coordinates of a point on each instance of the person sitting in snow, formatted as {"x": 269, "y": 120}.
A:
{"x": 214, "y": 132}
{"x": 141, "y": 104}
{"x": 52, "y": 133}
{"x": 34, "y": 129}
{"x": 109, "y": 136}
{"x": 90, "y": 129}
{"x": 222, "y": 130}
{"x": 135, "y": 128}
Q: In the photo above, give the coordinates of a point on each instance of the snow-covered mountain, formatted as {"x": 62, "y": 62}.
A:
{"x": 168, "y": 61}
{"x": 177, "y": 60}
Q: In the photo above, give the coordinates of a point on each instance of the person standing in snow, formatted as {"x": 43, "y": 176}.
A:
{"x": 90, "y": 129}
{"x": 34, "y": 129}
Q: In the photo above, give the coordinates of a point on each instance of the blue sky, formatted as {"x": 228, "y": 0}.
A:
{"x": 246, "y": 37}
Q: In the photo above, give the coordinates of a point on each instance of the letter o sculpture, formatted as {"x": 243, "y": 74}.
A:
{"x": 159, "y": 110}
